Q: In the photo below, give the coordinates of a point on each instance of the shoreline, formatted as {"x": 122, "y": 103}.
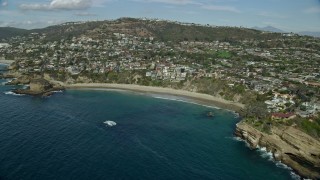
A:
{"x": 288, "y": 145}
{"x": 6, "y": 62}
{"x": 203, "y": 99}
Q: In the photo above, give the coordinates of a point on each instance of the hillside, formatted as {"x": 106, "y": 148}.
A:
{"x": 161, "y": 30}
{"x": 8, "y": 32}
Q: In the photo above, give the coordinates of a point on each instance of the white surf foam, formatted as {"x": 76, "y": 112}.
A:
{"x": 265, "y": 154}
{"x": 110, "y": 123}
{"x": 180, "y": 99}
{"x": 241, "y": 140}
{"x": 12, "y": 93}
{"x": 281, "y": 165}
{"x": 295, "y": 176}
{"x": 6, "y": 81}
{"x": 171, "y": 98}
{"x": 58, "y": 91}
{"x": 238, "y": 139}
{"x": 25, "y": 87}
{"x": 269, "y": 155}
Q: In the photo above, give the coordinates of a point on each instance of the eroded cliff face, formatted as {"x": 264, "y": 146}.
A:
{"x": 40, "y": 87}
{"x": 289, "y": 145}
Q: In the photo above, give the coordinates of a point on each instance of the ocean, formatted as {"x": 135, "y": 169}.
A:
{"x": 156, "y": 137}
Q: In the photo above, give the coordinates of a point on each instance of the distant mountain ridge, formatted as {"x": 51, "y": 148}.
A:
{"x": 269, "y": 28}
{"x": 309, "y": 33}
{"x": 274, "y": 29}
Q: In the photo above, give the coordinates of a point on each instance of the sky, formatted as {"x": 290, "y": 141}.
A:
{"x": 288, "y": 15}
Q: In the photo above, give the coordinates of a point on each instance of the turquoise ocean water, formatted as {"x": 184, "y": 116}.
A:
{"x": 64, "y": 137}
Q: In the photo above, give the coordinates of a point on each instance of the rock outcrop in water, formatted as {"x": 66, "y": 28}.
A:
{"x": 289, "y": 145}
{"x": 40, "y": 87}
{"x": 19, "y": 80}
{"x": 7, "y": 76}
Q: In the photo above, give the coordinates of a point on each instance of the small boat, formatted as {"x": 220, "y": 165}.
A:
{"x": 110, "y": 123}
{"x": 210, "y": 114}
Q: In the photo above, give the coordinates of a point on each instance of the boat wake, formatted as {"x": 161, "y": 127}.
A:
{"x": 110, "y": 123}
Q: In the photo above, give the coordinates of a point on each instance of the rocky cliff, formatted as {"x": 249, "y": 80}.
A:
{"x": 40, "y": 87}
{"x": 289, "y": 145}
{"x": 19, "y": 80}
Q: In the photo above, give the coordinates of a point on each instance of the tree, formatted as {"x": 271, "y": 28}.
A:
{"x": 256, "y": 110}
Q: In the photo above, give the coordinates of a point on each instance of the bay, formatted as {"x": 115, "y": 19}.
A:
{"x": 64, "y": 137}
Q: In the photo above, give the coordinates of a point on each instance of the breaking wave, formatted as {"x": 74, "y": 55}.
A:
{"x": 238, "y": 139}
{"x": 58, "y": 91}
{"x": 181, "y": 99}
{"x": 12, "y": 93}
{"x": 265, "y": 154}
{"x": 269, "y": 155}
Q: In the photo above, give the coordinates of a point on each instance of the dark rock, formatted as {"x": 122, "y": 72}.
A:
{"x": 8, "y": 76}
{"x": 19, "y": 80}
{"x": 13, "y": 82}
{"x": 40, "y": 87}
{"x": 24, "y": 80}
{"x": 47, "y": 94}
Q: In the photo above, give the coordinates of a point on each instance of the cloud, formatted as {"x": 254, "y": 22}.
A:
{"x": 101, "y": 3}
{"x": 312, "y": 10}
{"x": 58, "y": 5}
{"x": 3, "y": 3}
{"x": 220, "y": 8}
{"x": 175, "y": 2}
{"x": 85, "y": 14}
{"x": 30, "y": 24}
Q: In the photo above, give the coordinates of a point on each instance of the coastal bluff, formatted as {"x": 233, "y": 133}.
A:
{"x": 289, "y": 145}
{"x": 40, "y": 87}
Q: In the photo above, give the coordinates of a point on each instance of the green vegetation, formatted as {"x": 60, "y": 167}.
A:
{"x": 8, "y": 32}
{"x": 237, "y": 64}
{"x": 176, "y": 32}
{"x": 224, "y": 54}
{"x": 261, "y": 125}
{"x": 311, "y": 127}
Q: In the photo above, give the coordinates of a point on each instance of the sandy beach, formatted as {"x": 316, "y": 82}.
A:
{"x": 204, "y": 99}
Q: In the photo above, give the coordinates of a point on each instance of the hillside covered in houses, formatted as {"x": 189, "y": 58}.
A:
{"x": 275, "y": 74}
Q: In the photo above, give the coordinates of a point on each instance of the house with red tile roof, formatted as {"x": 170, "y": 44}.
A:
{"x": 283, "y": 116}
